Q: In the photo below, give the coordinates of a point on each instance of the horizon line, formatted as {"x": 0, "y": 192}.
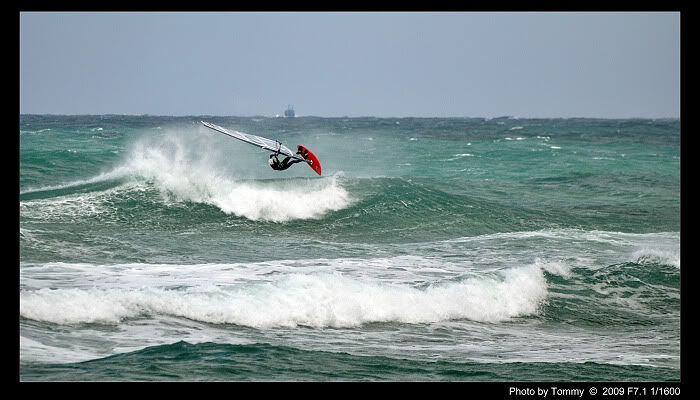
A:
{"x": 340, "y": 116}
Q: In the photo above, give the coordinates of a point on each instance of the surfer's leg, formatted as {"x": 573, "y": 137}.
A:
{"x": 286, "y": 163}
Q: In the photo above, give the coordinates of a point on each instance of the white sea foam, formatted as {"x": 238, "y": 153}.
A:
{"x": 84, "y": 205}
{"x": 554, "y": 267}
{"x": 75, "y": 205}
{"x": 32, "y": 350}
{"x": 37, "y": 131}
{"x": 193, "y": 172}
{"x": 458, "y": 156}
{"x": 317, "y": 300}
{"x": 197, "y": 177}
{"x": 588, "y": 249}
{"x": 116, "y": 173}
{"x": 657, "y": 256}
{"x": 619, "y": 238}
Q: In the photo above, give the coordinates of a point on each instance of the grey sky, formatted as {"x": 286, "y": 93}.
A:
{"x": 356, "y": 64}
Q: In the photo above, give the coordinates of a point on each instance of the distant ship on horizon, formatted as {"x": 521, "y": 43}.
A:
{"x": 289, "y": 112}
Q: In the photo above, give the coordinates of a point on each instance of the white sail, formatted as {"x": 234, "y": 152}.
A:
{"x": 265, "y": 143}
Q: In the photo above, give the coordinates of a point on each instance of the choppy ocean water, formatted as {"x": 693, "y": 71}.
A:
{"x": 152, "y": 248}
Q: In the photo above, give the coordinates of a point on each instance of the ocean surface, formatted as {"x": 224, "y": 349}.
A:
{"x": 459, "y": 249}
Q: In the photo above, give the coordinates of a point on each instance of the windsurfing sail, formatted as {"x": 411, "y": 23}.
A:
{"x": 264, "y": 143}
{"x": 271, "y": 145}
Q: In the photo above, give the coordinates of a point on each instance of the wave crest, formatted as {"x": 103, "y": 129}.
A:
{"x": 184, "y": 169}
{"x": 656, "y": 256}
{"x": 317, "y": 300}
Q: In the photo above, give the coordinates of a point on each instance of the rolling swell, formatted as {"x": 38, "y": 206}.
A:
{"x": 268, "y": 362}
{"x": 218, "y": 212}
{"x": 388, "y": 204}
{"x": 337, "y": 207}
{"x": 617, "y": 295}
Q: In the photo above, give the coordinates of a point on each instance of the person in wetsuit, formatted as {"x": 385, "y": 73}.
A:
{"x": 278, "y": 165}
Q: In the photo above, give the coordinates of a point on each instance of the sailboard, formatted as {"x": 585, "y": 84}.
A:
{"x": 268, "y": 144}
{"x": 310, "y": 158}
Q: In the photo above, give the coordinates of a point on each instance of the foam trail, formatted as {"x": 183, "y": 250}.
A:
{"x": 32, "y": 350}
{"x": 75, "y": 205}
{"x": 117, "y": 173}
{"x": 576, "y": 234}
{"x": 316, "y": 300}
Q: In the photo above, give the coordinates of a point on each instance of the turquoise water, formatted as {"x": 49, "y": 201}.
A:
{"x": 153, "y": 248}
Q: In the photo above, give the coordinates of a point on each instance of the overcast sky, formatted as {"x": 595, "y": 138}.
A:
{"x": 610, "y": 65}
